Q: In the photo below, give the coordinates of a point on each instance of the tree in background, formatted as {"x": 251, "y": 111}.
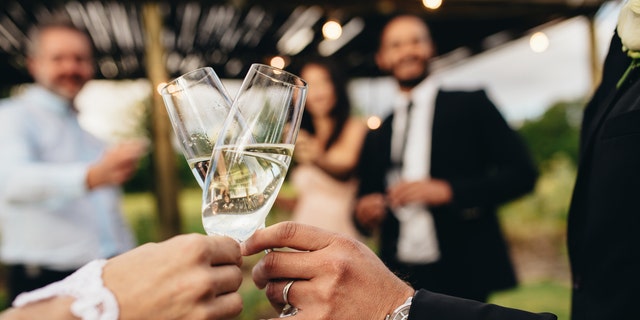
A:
{"x": 536, "y": 224}
{"x": 556, "y": 131}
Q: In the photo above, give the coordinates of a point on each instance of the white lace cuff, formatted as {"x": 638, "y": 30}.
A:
{"x": 93, "y": 301}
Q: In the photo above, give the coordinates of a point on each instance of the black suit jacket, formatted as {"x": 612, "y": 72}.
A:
{"x": 486, "y": 164}
{"x": 428, "y": 305}
{"x": 604, "y": 217}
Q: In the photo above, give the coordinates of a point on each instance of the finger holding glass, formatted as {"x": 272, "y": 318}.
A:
{"x": 336, "y": 276}
{"x": 253, "y": 152}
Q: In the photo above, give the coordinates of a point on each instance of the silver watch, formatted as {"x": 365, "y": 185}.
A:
{"x": 401, "y": 312}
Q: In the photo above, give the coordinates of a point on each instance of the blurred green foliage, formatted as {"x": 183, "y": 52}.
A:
{"x": 144, "y": 178}
{"x": 557, "y": 131}
{"x": 553, "y": 140}
{"x": 537, "y": 297}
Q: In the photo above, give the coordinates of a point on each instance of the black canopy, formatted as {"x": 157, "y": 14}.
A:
{"x": 230, "y": 35}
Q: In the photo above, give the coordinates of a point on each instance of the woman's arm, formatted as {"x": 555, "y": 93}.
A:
{"x": 341, "y": 158}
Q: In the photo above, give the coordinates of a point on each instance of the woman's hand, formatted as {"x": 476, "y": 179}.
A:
{"x": 307, "y": 149}
{"x": 187, "y": 277}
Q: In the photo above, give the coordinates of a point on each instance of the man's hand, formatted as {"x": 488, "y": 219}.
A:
{"x": 117, "y": 165}
{"x": 431, "y": 192}
{"x": 336, "y": 277}
{"x": 370, "y": 210}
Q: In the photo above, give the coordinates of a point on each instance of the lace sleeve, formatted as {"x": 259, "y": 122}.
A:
{"x": 93, "y": 301}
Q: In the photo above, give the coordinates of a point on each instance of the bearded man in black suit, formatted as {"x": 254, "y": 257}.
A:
{"x": 433, "y": 174}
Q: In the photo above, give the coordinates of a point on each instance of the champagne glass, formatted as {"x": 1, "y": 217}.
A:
{"x": 253, "y": 152}
{"x": 197, "y": 104}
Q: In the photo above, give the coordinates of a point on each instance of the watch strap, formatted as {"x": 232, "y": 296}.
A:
{"x": 401, "y": 312}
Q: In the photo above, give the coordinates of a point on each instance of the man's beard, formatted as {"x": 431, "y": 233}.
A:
{"x": 411, "y": 83}
{"x": 69, "y": 86}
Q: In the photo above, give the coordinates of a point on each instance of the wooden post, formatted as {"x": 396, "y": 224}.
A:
{"x": 594, "y": 60}
{"x": 164, "y": 157}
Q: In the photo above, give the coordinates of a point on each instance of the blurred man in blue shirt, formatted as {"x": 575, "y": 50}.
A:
{"x": 59, "y": 185}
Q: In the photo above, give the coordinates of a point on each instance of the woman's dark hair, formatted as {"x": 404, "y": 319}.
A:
{"x": 342, "y": 108}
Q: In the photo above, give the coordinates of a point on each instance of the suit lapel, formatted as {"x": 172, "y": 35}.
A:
{"x": 605, "y": 109}
{"x": 603, "y": 112}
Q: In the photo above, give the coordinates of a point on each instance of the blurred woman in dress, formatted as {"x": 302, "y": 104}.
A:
{"x": 326, "y": 152}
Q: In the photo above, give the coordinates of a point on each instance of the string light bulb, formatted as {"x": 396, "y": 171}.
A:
{"x": 539, "y": 42}
{"x": 432, "y": 4}
{"x": 277, "y": 62}
{"x": 331, "y": 30}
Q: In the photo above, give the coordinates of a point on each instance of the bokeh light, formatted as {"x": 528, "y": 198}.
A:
{"x": 539, "y": 42}
{"x": 432, "y": 4}
{"x": 332, "y": 30}
{"x": 277, "y": 62}
{"x": 161, "y": 86}
{"x": 374, "y": 122}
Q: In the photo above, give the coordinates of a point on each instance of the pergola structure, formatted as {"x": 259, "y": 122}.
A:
{"x": 231, "y": 34}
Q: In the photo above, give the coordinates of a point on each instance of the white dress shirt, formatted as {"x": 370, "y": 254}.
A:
{"x": 48, "y": 217}
{"x": 411, "y": 146}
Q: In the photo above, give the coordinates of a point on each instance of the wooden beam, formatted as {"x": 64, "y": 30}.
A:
{"x": 594, "y": 60}
{"x": 164, "y": 157}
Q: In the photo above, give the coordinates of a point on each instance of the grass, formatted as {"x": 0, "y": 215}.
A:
{"x": 543, "y": 296}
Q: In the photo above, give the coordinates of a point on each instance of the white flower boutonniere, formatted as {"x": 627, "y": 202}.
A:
{"x": 629, "y": 31}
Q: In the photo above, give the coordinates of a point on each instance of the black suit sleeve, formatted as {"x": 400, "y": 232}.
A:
{"x": 428, "y": 305}
{"x": 374, "y": 159}
{"x": 373, "y": 164}
{"x": 509, "y": 170}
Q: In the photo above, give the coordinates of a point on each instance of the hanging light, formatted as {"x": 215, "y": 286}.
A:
{"x": 351, "y": 29}
{"x": 277, "y": 62}
{"x": 331, "y": 30}
{"x": 539, "y": 42}
{"x": 432, "y": 4}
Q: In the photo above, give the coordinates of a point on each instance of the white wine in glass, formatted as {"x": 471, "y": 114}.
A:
{"x": 246, "y": 188}
{"x": 253, "y": 152}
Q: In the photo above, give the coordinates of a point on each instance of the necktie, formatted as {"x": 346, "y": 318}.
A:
{"x": 398, "y": 156}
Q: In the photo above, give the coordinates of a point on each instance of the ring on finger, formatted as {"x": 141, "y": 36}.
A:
{"x": 288, "y": 310}
{"x": 285, "y": 291}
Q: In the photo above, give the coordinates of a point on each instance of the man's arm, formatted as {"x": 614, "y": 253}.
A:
{"x": 510, "y": 170}
{"x": 338, "y": 277}
{"x": 430, "y": 305}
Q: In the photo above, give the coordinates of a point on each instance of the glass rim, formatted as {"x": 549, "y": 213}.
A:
{"x": 260, "y": 66}
{"x": 174, "y": 82}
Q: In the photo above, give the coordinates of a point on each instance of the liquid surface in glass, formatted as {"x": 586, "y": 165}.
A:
{"x": 244, "y": 186}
